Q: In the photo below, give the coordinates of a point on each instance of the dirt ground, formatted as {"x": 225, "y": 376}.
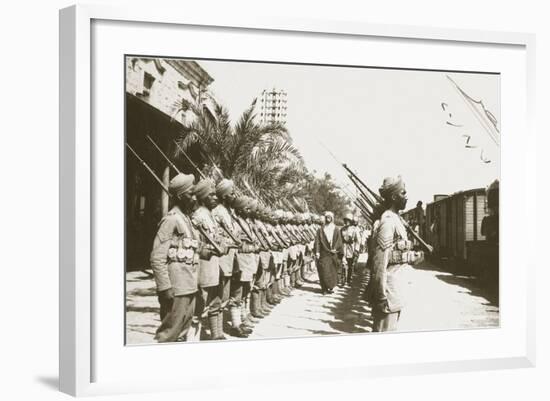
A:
{"x": 436, "y": 300}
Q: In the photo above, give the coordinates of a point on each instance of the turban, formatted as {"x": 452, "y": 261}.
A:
{"x": 391, "y": 186}
{"x": 240, "y": 202}
{"x": 327, "y": 213}
{"x": 181, "y": 184}
{"x": 278, "y": 213}
{"x": 348, "y": 217}
{"x": 204, "y": 188}
{"x": 253, "y": 205}
{"x": 224, "y": 187}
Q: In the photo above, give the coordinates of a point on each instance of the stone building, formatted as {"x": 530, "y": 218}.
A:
{"x": 159, "y": 96}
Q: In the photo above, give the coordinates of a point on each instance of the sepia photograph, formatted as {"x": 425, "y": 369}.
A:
{"x": 268, "y": 200}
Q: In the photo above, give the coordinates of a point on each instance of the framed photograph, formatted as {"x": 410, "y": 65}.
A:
{"x": 250, "y": 199}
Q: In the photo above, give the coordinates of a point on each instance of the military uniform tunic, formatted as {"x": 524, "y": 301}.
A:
{"x": 390, "y": 237}
{"x": 223, "y": 217}
{"x": 209, "y": 270}
{"x": 247, "y": 261}
{"x": 175, "y": 258}
{"x": 350, "y": 236}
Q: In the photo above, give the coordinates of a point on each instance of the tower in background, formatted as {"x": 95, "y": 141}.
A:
{"x": 272, "y": 106}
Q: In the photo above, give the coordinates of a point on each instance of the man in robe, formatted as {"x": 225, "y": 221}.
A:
{"x": 329, "y": 252}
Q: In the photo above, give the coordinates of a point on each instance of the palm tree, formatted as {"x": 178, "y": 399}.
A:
{"x": 253, "y": 155}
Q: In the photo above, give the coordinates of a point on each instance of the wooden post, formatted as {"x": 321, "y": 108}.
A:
{"x": 164, "y": 198}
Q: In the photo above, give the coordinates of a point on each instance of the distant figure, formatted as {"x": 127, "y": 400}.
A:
{"x": 434, "y": 231}
{"x": 420, "y": 219}
{"x": 489, "y": 224}
{"x": 351, "y": 240}
{"x": 329, "y": 252}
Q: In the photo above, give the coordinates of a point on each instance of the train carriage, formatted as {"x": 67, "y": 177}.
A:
{"x": 453, "y": 225}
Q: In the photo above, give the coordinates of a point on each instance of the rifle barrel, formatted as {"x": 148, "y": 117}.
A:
{"x": 164, "y": 155}
{"x": 148, "y": 169}
{"x": 199, "y": 227}
{"x": 189, "y": 160}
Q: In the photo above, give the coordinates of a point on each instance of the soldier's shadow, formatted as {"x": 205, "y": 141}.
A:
{"x": 351, "y": 312}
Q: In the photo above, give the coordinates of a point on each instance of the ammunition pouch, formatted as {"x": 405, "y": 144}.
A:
{"x": 407, "y": 257}
{"x": 183, "y": 250}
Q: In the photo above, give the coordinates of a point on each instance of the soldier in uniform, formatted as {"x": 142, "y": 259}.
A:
{"x": 285, "y": 276}
{"x": 392, "y": 253}
{"x": 350, "y": 237}
{"x": 258, "y": 300}
{"x": 209, "y": 269}
{"x": 278, "y": 283}
{"x": 247, "y": 264}
{"x": 223, "y": 213}
{"x": 175, "y": 263}
{"x": 268, "y": 257}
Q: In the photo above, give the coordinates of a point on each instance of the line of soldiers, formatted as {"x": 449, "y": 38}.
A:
{"x": 216, "y": 251}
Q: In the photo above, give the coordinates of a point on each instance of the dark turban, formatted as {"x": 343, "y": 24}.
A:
{"x": 181, "y": 184}
{"x": 204, "y": 188}
{"x": 240, "y": 202}
{"x": 391, "y": 186}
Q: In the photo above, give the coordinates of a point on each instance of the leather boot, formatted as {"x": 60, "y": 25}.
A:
{"x": 214, "y": 327}
{"x": 246, "y": 318}
{"x": 280, "y": 287}
{"x": 264, "y": 306}
{"x": 275, "y": 291}
{"x": 298, "y": 279}
{"x": 269, "y": 297}
{"x": 303, "y": 270}
{"x": 194, "y": 332}
{"x": 237, "y": 327}
{"x": 255, "y": 305}
{"x": 275, "y": 294}
{"x": 220, "y": 326}
{"x": 249, "y": 316}
{"x": 287, "y": 282}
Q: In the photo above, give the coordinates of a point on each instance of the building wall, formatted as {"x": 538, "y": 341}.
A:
{"x": 154, "y": 89}
{"x": 163, "y": 83}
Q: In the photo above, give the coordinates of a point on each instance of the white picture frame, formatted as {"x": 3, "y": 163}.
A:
{"x": 79, "y": 344}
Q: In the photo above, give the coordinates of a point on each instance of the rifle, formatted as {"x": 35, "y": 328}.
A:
{"x": 378, "y": 199}
{"x": 410, "y": 230}
{"x": 189, "y": 160}
{"x": 222, "y": 224}
{"x": 278, "y": 238}
{"x": 253, "y": 228}
{"x": 199, "y": 227}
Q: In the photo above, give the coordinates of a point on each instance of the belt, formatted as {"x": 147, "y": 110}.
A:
{"x": 400, "y": 257}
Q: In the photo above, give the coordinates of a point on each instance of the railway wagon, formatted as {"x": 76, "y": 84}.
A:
{"x": 453, "y": 224}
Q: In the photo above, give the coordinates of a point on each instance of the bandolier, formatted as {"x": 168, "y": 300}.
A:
{"x": 177, "y": 248}
{"x": 247, "y": 262}
{"x": 209, "y": 269}
{"x": 223, "y": 213}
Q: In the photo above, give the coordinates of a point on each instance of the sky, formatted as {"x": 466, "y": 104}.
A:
{"x": 381, "y": 122}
